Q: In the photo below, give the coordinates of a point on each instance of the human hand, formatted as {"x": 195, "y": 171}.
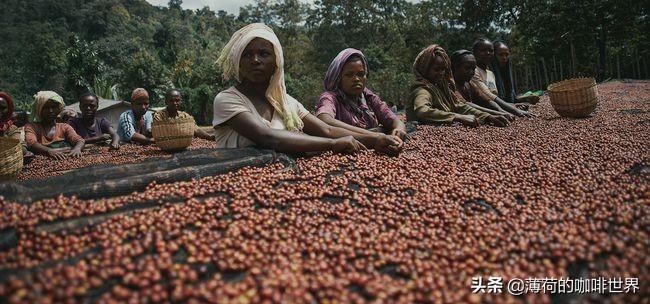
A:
{"x": 389, "y": 145}
{"x": 56, "y": 155}
{"x": 468, "y": 120}
{"x": 498, "y": 120}
{"x": 347, "y": 144}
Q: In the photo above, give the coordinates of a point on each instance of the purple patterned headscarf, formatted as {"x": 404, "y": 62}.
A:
{"x": 333, "y": 75}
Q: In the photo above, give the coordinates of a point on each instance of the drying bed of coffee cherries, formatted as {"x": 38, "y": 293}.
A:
{"x": 545, "y": 197}
{"x": 43, "y": 167}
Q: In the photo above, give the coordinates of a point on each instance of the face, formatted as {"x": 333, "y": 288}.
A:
{"x": 257, "y": 63}
{"x": 174, "y": 101}
{"x": 4, "y": 109}
{"x": 50, "y": 111}
{"x": 437, "y": 70}
{"x": 465, "y": 70}
{"x": 502, "y": 53}
{"x": 88, "y": 106}
{"x": 484, "y": 52}
{"x": 140, "y": 106}
{"x": 353, "y": 78}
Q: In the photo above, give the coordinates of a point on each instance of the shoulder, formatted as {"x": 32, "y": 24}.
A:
{"x": 126, "y": 114}
{"x": 292, "y": 101}
{"x": 328, "y": 96}
{"x": 13, "y": 130}
{"x": 296, "y": 106}
{"x": 229, "y": 95}
{"x": 369, "y": 93}
{"x": 31, "y": 127}
{"x": 371, "y": 96}
{"x": 421, "y": 91}
{"x": 158, "y": 115}
{"x": 183, "y": 114}
{"x": 103, "y": 121}
{"x": 63, "y": 126}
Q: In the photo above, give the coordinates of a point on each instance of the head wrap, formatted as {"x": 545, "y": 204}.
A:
{"x": 332, "y": 81}
{"x": 423, "y": 63}
{"x": 40, "y": 99}
{"x": 276, "y": 93}
{"x": 457, "y": 56}
{"x": 67, "y": 114}
{"x": 139, "y": 93}
{"x": 5, "y": 124}
{"x": 333, "y": 75}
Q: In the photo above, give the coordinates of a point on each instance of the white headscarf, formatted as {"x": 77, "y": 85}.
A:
{"x": 40, "y": 99}
{"x": 276, "y": 93}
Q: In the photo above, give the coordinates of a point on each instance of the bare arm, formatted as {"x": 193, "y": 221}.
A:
{"x": 76, "y": 150}
{"x": 391, "y": 145}
{"x": 285, "y": 141}
{"x": 139, "y": 138}
{"x": 200, "y": 133}
{"x": 328, "y": 119}
{"x": 491, "y": 111}
{"x": 398, "y": 128}
{"x": 95, "y": 139}
{"x": 115, "y": 139}
{"x": 510, "y": 107}
{"x": 37, "y": 148}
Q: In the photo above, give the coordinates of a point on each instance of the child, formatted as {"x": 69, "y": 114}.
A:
{"x": 91, "y": 128}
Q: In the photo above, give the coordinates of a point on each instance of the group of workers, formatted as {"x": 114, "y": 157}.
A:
{"x": 349, "y": 117}
{"x": 470, "y": 87}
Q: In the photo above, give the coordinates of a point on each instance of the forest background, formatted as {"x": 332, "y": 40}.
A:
{"x": 113, "y": 46}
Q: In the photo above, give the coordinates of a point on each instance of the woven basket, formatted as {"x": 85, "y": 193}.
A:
{"x": 173, "y": 135}
{"x": 11, "y": 158}
{"x": 575, "y": 97}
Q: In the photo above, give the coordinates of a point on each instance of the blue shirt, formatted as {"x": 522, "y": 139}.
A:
{"x": 127, "y": 125}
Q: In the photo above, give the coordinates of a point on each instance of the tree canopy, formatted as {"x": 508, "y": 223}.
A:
{"x": 114, "y": 46}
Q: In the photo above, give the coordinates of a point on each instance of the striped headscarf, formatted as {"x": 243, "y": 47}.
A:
{"x": 276, "y": 93}
{"x": 423, "y": 63}
{"x": 40, "y": 99}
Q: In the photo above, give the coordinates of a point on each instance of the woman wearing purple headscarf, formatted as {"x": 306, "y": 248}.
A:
{"x": 347, "y": 103}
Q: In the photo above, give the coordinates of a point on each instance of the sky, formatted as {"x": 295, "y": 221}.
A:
{"x": 230, "y": 6}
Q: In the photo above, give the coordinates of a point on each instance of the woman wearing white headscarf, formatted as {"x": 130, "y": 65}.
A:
{"x": 44, "y": 134}
{"x": 258, "y": 111}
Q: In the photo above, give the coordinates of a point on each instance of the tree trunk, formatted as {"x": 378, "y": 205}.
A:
{"x": 573, "y": 60}
{"x": 618, "y": 66}
{"x": 515, "y": 79}
{"x": 638, "y": 65}
{"x": 554, "y": 69}
{"x": 561, "y": 71}
{"x": 545, "y": 73}
{"x": 538, "y": 73}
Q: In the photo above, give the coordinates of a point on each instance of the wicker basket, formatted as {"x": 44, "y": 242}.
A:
{"x": 173, "y": 134}
{"x": 11, "y": 158}
{"x": 575, "y": 97}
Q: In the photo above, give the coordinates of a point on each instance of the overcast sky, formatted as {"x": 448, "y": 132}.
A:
{"x": 231, "y": 6}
